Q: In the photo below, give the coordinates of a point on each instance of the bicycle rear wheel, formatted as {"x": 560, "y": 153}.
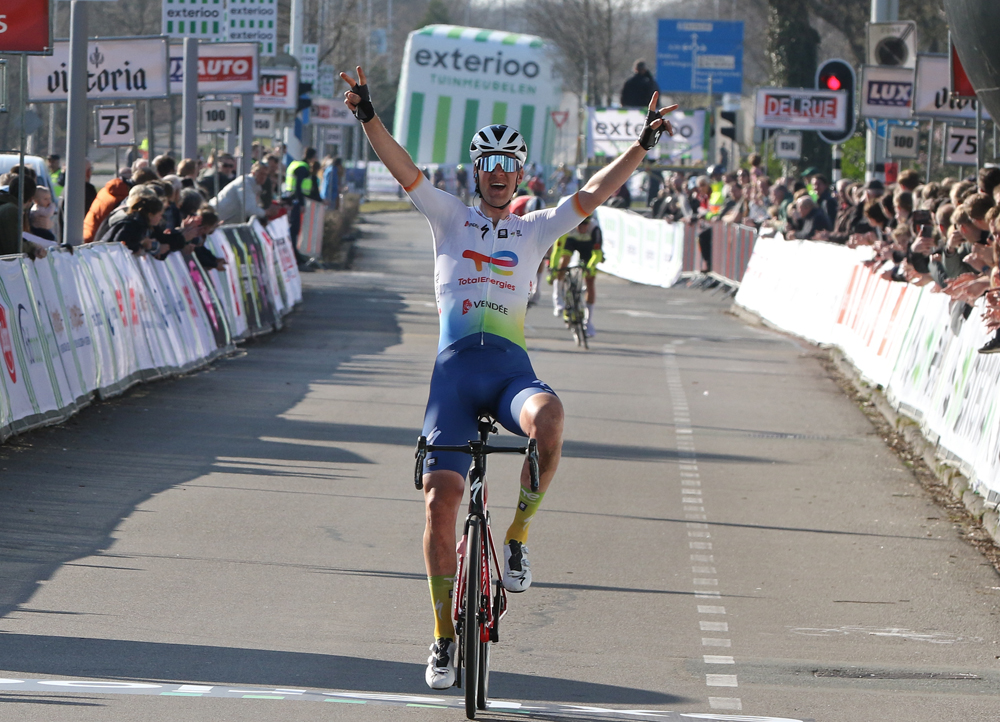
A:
{"x": 471, "y": 644}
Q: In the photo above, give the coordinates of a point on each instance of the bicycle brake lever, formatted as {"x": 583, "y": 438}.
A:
{"x": 533, "y": 463}
{"x": 418, "y": 472}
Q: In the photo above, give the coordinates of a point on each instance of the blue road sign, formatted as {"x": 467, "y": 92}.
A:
{"x": 689, "y": 51}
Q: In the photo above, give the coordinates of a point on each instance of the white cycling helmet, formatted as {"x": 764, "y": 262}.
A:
{"x": 498, "y": 139}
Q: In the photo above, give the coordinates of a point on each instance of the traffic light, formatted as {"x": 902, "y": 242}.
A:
{"x": 305, "y": 99}
{"x": 838, "y": 75}
{"x": 733, "y": 130}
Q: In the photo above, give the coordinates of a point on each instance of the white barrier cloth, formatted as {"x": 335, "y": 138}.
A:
{"x": 99, "y": 319}
{"x": 639, "y": 249}
{"x": 897, "y": 335}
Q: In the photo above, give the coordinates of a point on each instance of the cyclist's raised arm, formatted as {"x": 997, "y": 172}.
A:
{"x": 391, "y": 153}
{"x": 610, "y": 178}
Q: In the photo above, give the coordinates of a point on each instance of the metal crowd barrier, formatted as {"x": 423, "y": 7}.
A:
{"x": 732, "y": 245}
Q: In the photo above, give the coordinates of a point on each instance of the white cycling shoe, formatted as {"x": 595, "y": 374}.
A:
{"x": 441, "y": 664}
{"x": 516, "y": 568}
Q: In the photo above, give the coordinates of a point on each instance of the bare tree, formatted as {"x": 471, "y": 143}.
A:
{"x": 597, "y": 41}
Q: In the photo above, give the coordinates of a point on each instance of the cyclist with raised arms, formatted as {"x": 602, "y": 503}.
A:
{"x": 484, "y": 273}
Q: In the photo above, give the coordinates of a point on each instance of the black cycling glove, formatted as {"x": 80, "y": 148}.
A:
{"x": 650, "y": 136}
{"x": 365, "y": 110}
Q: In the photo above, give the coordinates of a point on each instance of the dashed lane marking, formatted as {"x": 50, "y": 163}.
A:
{"x": 547, "y": 711}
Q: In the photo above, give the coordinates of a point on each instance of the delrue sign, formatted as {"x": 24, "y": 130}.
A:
{"x": 117, "y": 69}
{"x": 24, "y": 26}
{"x": 278, "y": 89}
{"x": 801, "y": 109}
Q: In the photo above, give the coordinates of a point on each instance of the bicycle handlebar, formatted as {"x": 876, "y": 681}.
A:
{"x": 475, "y": 448}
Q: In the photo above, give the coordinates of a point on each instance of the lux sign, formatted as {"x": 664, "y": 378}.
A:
{"x": 893, "y": 94}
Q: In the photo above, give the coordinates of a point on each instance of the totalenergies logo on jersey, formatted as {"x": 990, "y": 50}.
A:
{"x": 497, "y": 262}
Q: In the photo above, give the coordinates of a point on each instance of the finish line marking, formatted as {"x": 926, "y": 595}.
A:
{"x": 566, "y": 711}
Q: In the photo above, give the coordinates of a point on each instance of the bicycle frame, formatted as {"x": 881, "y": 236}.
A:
{"x": 493, "y": 597}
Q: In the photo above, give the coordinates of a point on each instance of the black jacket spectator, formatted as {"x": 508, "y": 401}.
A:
{"x": 639, "y": 89}
{"x": 132, "y": 231}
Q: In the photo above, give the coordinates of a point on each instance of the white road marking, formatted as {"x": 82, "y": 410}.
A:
{"x": 729, "y": 703}
{"x": 692, "y": 504}
{"x": 721, "y": 680}
{"x": 718, "y": 659}
{"x": 716, "y": 642}
{"x": 714, "y": 626}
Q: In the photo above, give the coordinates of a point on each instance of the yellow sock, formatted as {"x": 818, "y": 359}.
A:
{"x": 527, "y": 505}
{"x": 442, "y": 589}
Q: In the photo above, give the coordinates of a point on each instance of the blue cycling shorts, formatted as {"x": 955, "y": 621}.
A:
{"x": 481, "y": 373}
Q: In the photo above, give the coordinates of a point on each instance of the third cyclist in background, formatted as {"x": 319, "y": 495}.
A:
{"x": 586, "y": 240}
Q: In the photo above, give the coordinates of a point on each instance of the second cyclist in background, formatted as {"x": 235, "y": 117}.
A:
{"x": 585, "y": 240}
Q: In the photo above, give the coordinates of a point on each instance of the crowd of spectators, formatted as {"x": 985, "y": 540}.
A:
{"x": 945, "y": 235}
{"x": 164, "y": 206}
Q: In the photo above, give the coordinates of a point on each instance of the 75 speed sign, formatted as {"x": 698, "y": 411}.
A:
{"x": 115, "y": 126}
{"x": 961, "y": 147}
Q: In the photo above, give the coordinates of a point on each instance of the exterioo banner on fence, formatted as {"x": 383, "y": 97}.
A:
{"x": 612, "y": 131}
{"x": 455, "y": 80}
{"x": 117, "y": 69}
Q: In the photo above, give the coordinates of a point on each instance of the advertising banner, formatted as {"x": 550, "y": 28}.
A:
{"x": 24, "y": 26}
{"x": 74, "y": 318}
{"x": 456, "y": 80}
{"x": 204, "y": 19}
{"x": 611, "y": 131}
{"x": 222, "y": 68}
{"x": 278, "y": 231}
{"x": 933, "y": 94}
{"x": 886, "y": 92}
{"x": 227, "y": 284}
{"x": 801, "y": 109}
{"x": 279, "y": 89}
{"x": 69, "y": 381}
{"x": 117, "y": 69}
{"x": 253, "y": 21}
{"x": 640, "y": 249}
{"x": 325, "y": 111}
{"x": 33, "y": 384}
{"x": 101, "y": 319}
{"x": 897, "y": 335}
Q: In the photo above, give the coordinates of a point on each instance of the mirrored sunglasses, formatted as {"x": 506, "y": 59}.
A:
{"x": 488, "y": 163}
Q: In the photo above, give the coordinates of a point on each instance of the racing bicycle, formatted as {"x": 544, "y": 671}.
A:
{"x": 574, "y": 313}
{"x": 480, "y": 601}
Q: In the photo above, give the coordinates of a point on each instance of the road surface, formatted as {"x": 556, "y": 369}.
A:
{"x": 727, "y": 534}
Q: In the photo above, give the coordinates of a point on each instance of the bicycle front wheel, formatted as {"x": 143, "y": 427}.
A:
{"x": 484, "y": 675}
{"x": 470, "y": 627}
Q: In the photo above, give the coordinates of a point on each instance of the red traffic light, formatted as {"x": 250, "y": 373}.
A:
{"x": 833, "y": 83}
